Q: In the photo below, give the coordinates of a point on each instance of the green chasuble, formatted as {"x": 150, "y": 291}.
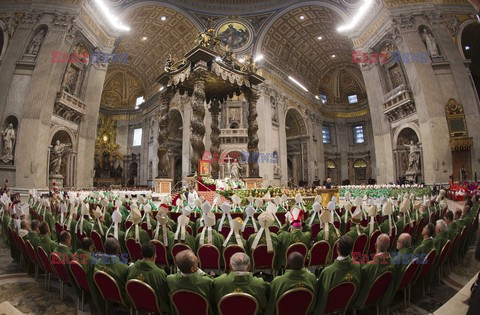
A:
{"x": 48, "y": 217}
{"x": 217, "y": 240}
{"x": 467, "y": 219}
{"x": 385, "y": 228}
{"x": 64, "y": 251}
{"x": 379, "y": 264}
{"x": 353, "y": 231}
{"x": 96, "y": 228}
{"x": 47, "y": 244}
{"x": 367, "y": 228}
{"x": 115, "y": 267}
{"x": 291, "y": 279}
{"x": 5, "y": 220}
{"x": 332, "y": 235}
{"x": 170, "y": 238}
{"x": 146, "y": 271}
{"x": 400, "y": 261}
{"x": 201, "y": 284}
{"x": 452, "y": 230}
{"x": 86, "y": 228}
{"x": 288, "y": 238}
{"x": 338, "y": 272}
{"x": 144, "y": 238}
{"x": 439, "y": 241}
{"x": 189, "y": 240}
{"x": 262, "y": 241}
{"x": 33, "y": 238}
{"x": 425, "y": 247}
{"x": 244, "y": 282}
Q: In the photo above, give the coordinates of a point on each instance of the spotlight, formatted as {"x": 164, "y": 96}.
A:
{"x": 163, "y": 18}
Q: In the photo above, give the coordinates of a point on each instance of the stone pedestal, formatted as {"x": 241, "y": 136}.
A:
{"x": 253, "y": 182}
{"x": 163, "y": 185}
{"x": 412, "y": 176}
{"x": 57, "y": 179}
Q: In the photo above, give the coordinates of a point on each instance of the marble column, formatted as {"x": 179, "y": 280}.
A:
{"x": 252, "y": 96}
{"x": 215, "y": 137}
{"x": 197, "y": 124}
{"x": 162, "y": 152}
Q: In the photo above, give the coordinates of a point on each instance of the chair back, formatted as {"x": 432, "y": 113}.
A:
{"x": 134, "y": 249}
{"x": 238, "y": 304}
{"x": 261, "y": 258}
{"x": 142, "y": 296}
{"x": 58, "y": 228}
{"x": 360, "y": 243}
{"x": 274, "y": 229}
{"x": 379, "y": 287}
{"x": 372, "y": 241}
{"x": 319, "y": 254}
{"x": 225, "y": 231}
{"x": 44, "y": 260}
{"x": 59, "y": 267}
{"x": 348, "y": 226}
{"x": 392, "y": 238}
{"x": 179, "y": 247}
{"x": 298, "y": 299}
{"x": 209, "y": 257}
{"x": 408, "y": 274}
{"x": 337, "y": 224}
{"x": 339, "y": 297}
{"x": 406, "y": 229}
{"x": 296, "y": 247}
{"x": 108, "y": 287}
{"x": 427, "y": 264}
{"x": 21, "y": 242}
{"x": 249, "y": 230}
{"x": 81, "y": 236}
{"x": 31, "y": 252}
{"x": 80, "y": 275}
{"x": 444, "y": 253}
{"x": 161, "y": 250}
{"x": 228, "y": 253}
{"x": 97, "y": 241}
{"x": 197, "y": 304}
{"x": 314, "y": 230}
{"x": 128, "y": 224}
{"x": 420, "y": 226}
{"x": 334, "y": 251}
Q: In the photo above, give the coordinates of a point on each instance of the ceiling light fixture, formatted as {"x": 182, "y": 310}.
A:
{"x": 317, "y": 97}
{"x": 144, "y": 38}
{"x": 218, "y": 59}
{"x": 163, "y": 18}
{"x": 258, "y": 58}
{"x": 113, "y": 19}
{"x": 297, "y": 83}
{"x": 319, "y": 37}
{"x": 333, "y": 56}
{"x": 302, "y": 17}
{"x": 467, "y": 47}
{"x": 241, "y": 60}
{"x": 360, "y": 13}
{"x": 161, "y": 89}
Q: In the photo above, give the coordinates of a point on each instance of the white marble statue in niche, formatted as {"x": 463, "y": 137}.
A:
{"x": 431, "y": 44}
{"x": 8, "y": 137}
{"x": 58, "y": 151}
{"x": 37, "y": 41}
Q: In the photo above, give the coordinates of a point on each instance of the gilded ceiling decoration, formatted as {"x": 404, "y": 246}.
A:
{"x": 340, "y": 82}
{"x": 151, "y": 39}
{"x": 121, "y": 89}
{"x": 292, "y": 44}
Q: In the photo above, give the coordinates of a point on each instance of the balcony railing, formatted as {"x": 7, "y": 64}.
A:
{"x": 398, "y": 103}
{"x": 230, "y": 136}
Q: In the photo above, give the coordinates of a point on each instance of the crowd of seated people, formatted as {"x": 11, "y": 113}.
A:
{"x": 347, "y": 266}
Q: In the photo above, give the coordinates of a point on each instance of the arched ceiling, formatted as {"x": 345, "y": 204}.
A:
{"x": 292, "y": 44}
{"x": 146, "y": 57}
{"x": 342, "y": 81}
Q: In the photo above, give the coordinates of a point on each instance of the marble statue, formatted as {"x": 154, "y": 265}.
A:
{"x": 36, "y": 43}
{"x": 56, "y": 157}
{"x": 431, "y": 44}
{"x": 169, "y": 63}
{"x": 235, "y": 171}
{"x": 413, "y": 157}
{"x": 8, "y": 137}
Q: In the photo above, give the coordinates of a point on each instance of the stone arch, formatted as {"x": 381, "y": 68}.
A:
{"x": 66, "y": 176}
{"x": 403, "y": 136}
{"x": 403, "y": 130}
{"x": 293, "y": 119}
{"x": 37, "y": 30}
{"x": 4, "y": 39}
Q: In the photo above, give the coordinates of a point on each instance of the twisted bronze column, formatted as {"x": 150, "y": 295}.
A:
{"x": 215, "y": 137}
{"x": 163, "y": 160}
{"x": 197, "y": 124}
{"x": 252, "y": 96}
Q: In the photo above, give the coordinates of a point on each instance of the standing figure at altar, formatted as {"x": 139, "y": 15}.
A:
{"x": 235, "y": 170}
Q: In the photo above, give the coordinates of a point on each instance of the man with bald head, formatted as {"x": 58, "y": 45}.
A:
{"x": 189, "y": 277}
{"x": 241, "y": 280}
{"x": 380, "y": 263}
{"x": 295, "y": 276}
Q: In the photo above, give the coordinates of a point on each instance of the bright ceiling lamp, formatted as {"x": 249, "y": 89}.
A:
{"x": 361, "y": 12}
{"x": 258, "y": 58}
{"x": 297, "y": 83}
{"x": 111, "y": 18}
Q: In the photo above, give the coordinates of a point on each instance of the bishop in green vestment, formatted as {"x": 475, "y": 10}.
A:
{"x": 427, "y": 244}
{"x": 33, "y": 234}
{"x": 45, "y": 241}
{"x": 452, "y": 225}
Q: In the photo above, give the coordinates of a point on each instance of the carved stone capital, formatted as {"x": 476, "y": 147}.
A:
{"x": 30, "y": 18}
{"x": 405, "y": 21}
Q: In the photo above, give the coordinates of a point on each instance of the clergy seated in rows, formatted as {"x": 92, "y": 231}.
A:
{"x": 34, "y": 234}
{"x": 296, "y": 276}
{"x": 45, "y": 241}
{"x": 466, "y": 215}
{"x": 208, "y": 235}
{"x": 400, "y": 260}
{"x": 84, "y": 257}
{"x": 380, "y": 263}
{"x": 458, "y": 219}
{"x": 452, "y": 225}
{"x": 441, "y": 236}
{"x": 24, "y": 228}
{"x": 64, "y": 246}
{"x": 142, "y": 235}
{"x": 189, "y": 277}
{"x": 146, "y": 271}
{"x": 265, "y": 237}
{"x": 342, "y": 270}
{"x": 295, "y": 235}
{"x": 241, "y": 280}
{"x": 427, "y": 243}
{"x": 113, "y": 264}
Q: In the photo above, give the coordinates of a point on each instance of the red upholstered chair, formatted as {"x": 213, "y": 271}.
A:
{"x": 174, "y": 215}
{"x": 378, "y": 289}
{"x": 142, "y": 296}
{"x": 238, "y": 304}
{"x": 228, "y": 253}
{"x": 21, "y": 244}
{"x": 46, "y": 265}
{"x": 419, "y": 228}
{"x": 209, "y": 257}
{"x": 296, "y": 247}
{"x": 58, "y": 228}
{"x": 319, "y": 254}
{"x": 81, "y": 236}
{"x": 225, "y": 230}
{"x": 60, "y": 270}
{"x": 32, "y": 256}
{"x": 360, "y": 244}
{"x": 339, "y": 297}
{"x": 315, "y": 229}
{"x": 249, "y": 230}
{"x": 197, "y": 304}
{"x": 134, "y": 249}
{"x": 108, "y": 288}
{"x": 372, "y": 241}
{"x": 80, "y": 277}
{"x": 128, "y": 224}
{"x": 274, "y": 229}
{"x": 442, "y": 258}
{"x": 393, "y": 238}
{"x": 461, "y": 239}
{"x": 364, "y": 222}
{"x": 348, "y": 226}
{"x": 97, "y": 241}
{"x": 407, "y": 279}
{"x": 295, "y": 301}
{"x": 334, "y": 251}
{"x": 337, "y": 224}
{"x": 406, "y": 229}
{"x": 189, "y": 230}
{"x": 262, "y": 260}
{"x": 179, "y": 247}
{"x": 161, "y": 250}
{"x": 144, "y": 226}
{"x": 425, "y": 268}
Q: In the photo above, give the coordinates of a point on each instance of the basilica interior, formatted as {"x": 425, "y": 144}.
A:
{"x": 156, "y": 95}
